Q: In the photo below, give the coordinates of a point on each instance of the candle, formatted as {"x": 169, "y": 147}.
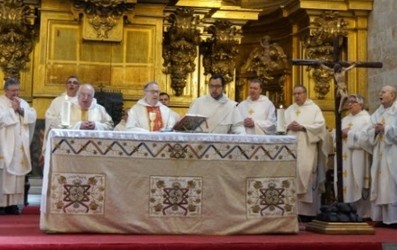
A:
{"x": 267, "y": 94}
{"x": 280, "y": 120}
{"x": 65, "y": 114}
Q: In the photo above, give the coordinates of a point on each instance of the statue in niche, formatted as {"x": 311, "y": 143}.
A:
{"x": 268, "y": 61}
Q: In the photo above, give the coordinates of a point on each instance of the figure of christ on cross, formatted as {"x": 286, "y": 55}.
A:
{"x": 339, "y": 68}
{"x": 339, "y": 75}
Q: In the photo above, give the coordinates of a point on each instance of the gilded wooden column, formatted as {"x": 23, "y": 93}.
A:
{"x": 220, "y": 50}
{"x": 180, "y": 45}
{"x": 17, "y": 34}
{"x": 319, "y": 46}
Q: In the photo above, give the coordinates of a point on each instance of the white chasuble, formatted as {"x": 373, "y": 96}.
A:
{"x": 222, "y": 115}
{"x": 356, "y": 163}
{"x": 262, "y": 111}
{"x": 312, "y": 151}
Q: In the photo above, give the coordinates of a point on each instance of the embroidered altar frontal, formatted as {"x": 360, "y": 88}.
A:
{"x": 168, "y": 183}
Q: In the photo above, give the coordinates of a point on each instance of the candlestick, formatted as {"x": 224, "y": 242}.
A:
{"x": 280, "y": 121}
{"x": 65, "y": 114}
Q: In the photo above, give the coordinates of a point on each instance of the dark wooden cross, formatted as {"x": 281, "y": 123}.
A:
{"x": 338, "y": 130}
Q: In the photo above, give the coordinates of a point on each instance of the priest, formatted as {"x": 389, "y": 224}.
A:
{"x": 17, "y": 121}
{"x": 149, "y": 114}
{"x": 222, "y": 114}
{"x": 305, "y": 120}
{"x": 356, "y": 157}
{"x": 258, "y": 111}
{"x": 86, "y": 114}
{"x": 381, "y": 135}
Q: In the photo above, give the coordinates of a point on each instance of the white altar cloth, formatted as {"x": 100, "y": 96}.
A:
{"x": 168, "y": 183}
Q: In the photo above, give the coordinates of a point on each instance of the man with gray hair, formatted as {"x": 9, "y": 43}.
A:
{"x": 86, "y": 114}
{"x": 356, "y": 159}
{"x": 381, "y": 134}
{"x": 304, "y": 120}
{"x": 149, "y": 114}
{"x": 17, "y": 121}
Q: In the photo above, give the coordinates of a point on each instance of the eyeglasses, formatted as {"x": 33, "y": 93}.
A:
{"x": 215, "y": 86}
{"x": 352, "y": 102}
{"x": 152, "y": 91}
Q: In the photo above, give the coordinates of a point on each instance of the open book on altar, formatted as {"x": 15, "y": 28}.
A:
{"x": 189, "y": 123}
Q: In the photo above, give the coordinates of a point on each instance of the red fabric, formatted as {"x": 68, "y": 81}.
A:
{"x": 158, "y": 122}
{"x": 22, "y": 232}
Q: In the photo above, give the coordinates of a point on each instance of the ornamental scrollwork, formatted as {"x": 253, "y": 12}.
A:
{"x": 17, "y": 34}
{"x": 104, "y": 15}
{"x": 269, "y": 63}
{"x": 220, "y": 50}
{"x": 319, "y": 46}
{"x": 180, "y": 43}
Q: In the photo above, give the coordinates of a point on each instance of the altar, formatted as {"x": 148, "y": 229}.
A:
{"x": 168, "y": 183}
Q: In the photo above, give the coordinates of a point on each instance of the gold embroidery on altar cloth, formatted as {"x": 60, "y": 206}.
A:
{"x": 72, "y": 193}
{"x": 175, "y": 196}
{"x": 270, "y": 197}
{"x": 136, "y": 149}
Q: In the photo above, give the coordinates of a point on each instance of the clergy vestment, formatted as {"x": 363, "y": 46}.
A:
{"x": 96, "y": 113}
{"x": 384, "y": 165}
{"x": 262, "y": 111}
{"x": 139, "y": 119}
{"x": 176, "y": 116}
{"x": 53, "y": 112}
{"x": 356, "y": 164}
{"x": 16, "y": 132}
{"x": 121, "y": 126}
{"x": 311, "y": 155}
{"x": 222, "y": 115}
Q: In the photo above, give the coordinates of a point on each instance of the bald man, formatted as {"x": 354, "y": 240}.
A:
{"x": 382, "y": 136}
{"x": 87, "y": 114}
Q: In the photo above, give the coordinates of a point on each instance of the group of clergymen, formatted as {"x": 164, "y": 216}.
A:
{"x": 369, "y": 141}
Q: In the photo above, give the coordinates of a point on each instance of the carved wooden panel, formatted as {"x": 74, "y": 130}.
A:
{"x": 114, "y": 33}
{"x": 125, "y": 65}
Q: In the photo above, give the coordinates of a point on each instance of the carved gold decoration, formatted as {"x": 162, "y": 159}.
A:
{"x": 220, "y": 50}
{"x": 269, "y": 63}
{"x": 16, "y": 36}
{"x": 180, "y": 47}
{"x": 319, "y": 46}
{"x": 103, "y": 18}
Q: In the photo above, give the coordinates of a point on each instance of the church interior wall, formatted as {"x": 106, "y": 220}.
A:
{"x": 382, "y": 46}
{"x": 61, "y": 50}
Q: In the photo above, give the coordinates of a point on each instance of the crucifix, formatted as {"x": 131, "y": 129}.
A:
{"x": 338, "y": 79}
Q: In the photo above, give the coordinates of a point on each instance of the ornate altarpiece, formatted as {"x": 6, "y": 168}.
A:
{"x": 124, "y": 44}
